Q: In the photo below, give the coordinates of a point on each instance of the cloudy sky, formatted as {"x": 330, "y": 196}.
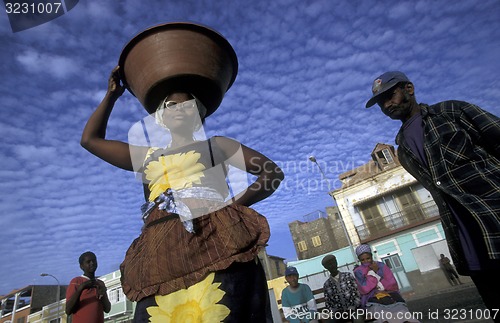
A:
{"x": 305, "y": 73}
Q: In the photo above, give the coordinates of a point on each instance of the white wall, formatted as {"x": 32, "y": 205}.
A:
{"x": 427, "y": 257}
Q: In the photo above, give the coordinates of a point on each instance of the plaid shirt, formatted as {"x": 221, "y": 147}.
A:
{"x": 462, "y": 145}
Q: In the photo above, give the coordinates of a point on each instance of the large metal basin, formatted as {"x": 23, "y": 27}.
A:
{"x": 178, "y": 56}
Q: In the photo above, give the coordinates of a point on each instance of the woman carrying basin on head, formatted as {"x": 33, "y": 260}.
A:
{"x": 196, "y": 258}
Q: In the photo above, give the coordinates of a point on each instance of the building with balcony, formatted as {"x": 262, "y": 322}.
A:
{"x": 19, "y": 304}
{"x": 380, "y": 198}
{"x": 51, "y": 313}
{"x": 383, "y": 205}
{"x": 122, "y": 310}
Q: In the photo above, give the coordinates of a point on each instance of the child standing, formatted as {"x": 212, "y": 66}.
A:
{"x": 86, "y": 297}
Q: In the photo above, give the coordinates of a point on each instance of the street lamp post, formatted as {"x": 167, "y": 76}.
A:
{"x": 58, "y": 294}
{"x": 313, "y": 159}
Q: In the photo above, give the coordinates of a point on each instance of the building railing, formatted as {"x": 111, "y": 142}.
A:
{"x": 54, "y": 312}
{"x": 409, "y": 216}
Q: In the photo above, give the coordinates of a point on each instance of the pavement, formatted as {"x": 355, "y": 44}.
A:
{"x": 454, "y": 304}
{"x": 457, "y": 288}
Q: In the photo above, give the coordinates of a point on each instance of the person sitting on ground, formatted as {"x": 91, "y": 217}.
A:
{"x": 379, "y": 290}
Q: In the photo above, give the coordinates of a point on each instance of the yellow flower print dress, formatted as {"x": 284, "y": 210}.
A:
{"x": 209, "y": 274}
{"x": 176, "y": 171}
{"x": 198, "y": 303}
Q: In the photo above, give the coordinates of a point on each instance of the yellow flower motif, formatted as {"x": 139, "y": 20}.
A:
{"x": 197, "y": 304}
{"x": 173, "y": 171}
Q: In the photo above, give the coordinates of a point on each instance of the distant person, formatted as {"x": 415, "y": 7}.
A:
{"x": 379, "y": 290}
{"x": 341, "y": 294}
{"x": 86, "y": 297}
{"x": 297, "y": 299}
{"x": 453, "y": 149}
{"x": 449, "y": 270}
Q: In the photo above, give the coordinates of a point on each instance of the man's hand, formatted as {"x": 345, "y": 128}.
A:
{"x": 101, "y": 289}
{"x": 88, "y": 284}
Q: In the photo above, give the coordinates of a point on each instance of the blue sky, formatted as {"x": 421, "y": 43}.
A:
{"x": 305, "y": 73}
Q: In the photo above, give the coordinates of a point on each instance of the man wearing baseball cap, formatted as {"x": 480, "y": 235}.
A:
{"x": 297, "y": 299}
{"x": 453, "y": 149}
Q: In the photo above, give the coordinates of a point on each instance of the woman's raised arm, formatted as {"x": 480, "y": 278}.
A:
{"x": 94, "y": 139}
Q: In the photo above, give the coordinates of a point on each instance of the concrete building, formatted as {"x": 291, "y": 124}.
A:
{"x": 380, "y": 198}
{"x": 318, "y": 234}
{"x": 273, "y": 266}
{"x": 122, "y": 310}
{"x": 51, "y": 313}
{"x": 19, "y": 304}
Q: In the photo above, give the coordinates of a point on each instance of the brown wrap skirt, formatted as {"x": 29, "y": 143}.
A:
{"x": 166, "y": 258}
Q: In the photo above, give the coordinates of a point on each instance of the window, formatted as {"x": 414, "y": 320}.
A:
{"x": 8, "y": 305}
{"x": 57, "y": 320}
{"x": 373, "y": 218}
{"x": 427, "y": 236}
{"x": 384, "y": 157}
{"x": 408, "y": 204}
{"x": 316, "y": 241}
{"x": 394, "y": 218}
{"x": 277, "y": 265}
{"x": 388, "y": 156}
{"x": 115, "y": 295}
{"x": 302, "y": 246}
{"x": 21, "y": 320}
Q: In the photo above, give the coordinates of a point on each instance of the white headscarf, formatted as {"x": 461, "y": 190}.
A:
{"x": 159, "y": 111}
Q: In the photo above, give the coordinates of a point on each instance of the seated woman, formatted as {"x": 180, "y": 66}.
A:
{"x": 196, "y": 257}
{"x": 379, "y": 290}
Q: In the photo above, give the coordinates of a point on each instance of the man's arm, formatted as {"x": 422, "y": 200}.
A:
{"x": 285, "y": 305}
{"x": 103, "y": 296}
{"x": 328, "y": 291}
{"x": 389, "y": 281}
{"x": 482, "y": 126}
{"x": 353, "y": 289}
{"x": 311, "y": 303}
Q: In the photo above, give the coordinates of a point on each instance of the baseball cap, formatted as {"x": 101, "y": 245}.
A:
{"x": 385, "y": 82}
{"x": 291, "y": 271}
